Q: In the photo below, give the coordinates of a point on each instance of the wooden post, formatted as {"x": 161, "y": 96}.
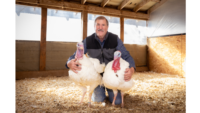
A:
{"x": 84, "y": 18}
{"x": 147, "y": 47}
{"x": 43, "y": 40}
{"x": 122, "y": 28}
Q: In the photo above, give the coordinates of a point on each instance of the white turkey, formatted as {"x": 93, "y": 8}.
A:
{"x": 89, "y": 75}
{"x": 113, "y": 77}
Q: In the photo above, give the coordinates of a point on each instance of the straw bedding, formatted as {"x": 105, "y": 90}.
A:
{"x": 152, "y": 93}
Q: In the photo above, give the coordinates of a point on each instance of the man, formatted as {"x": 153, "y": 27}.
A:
{"x": 102, "y": 45}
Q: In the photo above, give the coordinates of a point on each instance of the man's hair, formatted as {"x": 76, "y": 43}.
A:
{"x": 101, "y": 18}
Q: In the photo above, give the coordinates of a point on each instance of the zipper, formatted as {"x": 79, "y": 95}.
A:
{"x": 102, "y": 54}
{"x": 101, "y": 50}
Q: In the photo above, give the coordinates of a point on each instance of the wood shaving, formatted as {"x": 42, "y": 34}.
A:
{"x": 152, "y": 93}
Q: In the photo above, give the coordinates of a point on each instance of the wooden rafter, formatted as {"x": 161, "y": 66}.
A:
{"x": 123, "y": 4}
{"x": 104, "y": 3}
{"x": 141, "y": 4}
{"x": 156, "y": 6}
{"x": 28, "y": 1}
{"x": 89, "y": 8}
{"x": 83, "y": 1}
{"x": 156, "y": 0}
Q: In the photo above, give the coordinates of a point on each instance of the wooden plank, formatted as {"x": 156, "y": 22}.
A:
{"x": 141, "y": 69}
{"x": 123, "y": 4}
{"x": 122, "y": 28}
{"x": 183, "y": 55}
{"x": 35, "y": 74}
{"x": 91, "y": 9}
{"x": 147, "y": 47}
{"x": 112, "y": 11}
{"x": 28, "y": 1}
{"x": 155, "y": 0}
{"x": 156, "y": 6}
{"x": 140, "y": 5}
{"x": 104, "y": 3}
{"x": 83, "y": 1}
{"x": 51, "y": 3}
{"x": 165, "y": 54}
{"x": 74, "y": 6}
{"x": 43, "y": 39}
{"x": 135, "y": 15}
{"x": 95, "y": 9}
{"x": 84, "y": 16}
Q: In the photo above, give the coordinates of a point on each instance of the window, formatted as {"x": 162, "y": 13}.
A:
{"x": 114, "y": 24}
{"x": 63, "y": 26}
{"x": 135, "y": 32}
{"x": 28, "y": 22}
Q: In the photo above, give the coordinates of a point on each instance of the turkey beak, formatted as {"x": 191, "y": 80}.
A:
{"x": 115, "y": 57}
{"x": 80, "y": 47}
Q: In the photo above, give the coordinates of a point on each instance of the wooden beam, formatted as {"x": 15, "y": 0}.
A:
{"x": 142, "y": 69}
{"x": 36, "y": 74}
{"x": 83, "y": 1}
{"x": 84, "y": 18}
{"x": 104, "y": 3}
{"x": 43, "y": 39}
{"x": 28, "y": 1}
{"x": 141, "y": 4}
{"x": 156, "y": 1}
{"x": 135, "y": 15}
{"x": 122, "y": 28}
{"x": 123, "y": 4}
{"x": 147, "y": 57}
{"x": 90, "y": 9}
{"x": 156, "y": 6}
{"x": 51, "y": 3}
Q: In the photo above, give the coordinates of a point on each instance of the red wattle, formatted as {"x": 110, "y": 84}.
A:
{"x": 116, "y": 65}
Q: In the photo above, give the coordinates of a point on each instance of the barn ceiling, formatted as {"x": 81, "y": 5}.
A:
{"x": 134, "y": 8}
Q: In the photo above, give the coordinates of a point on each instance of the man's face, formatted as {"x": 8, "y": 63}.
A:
{"x": 101, "y": 28}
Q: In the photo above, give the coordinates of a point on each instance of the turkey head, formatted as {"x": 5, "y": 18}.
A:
{"x": 79, "y": 51}
{"x": 116, "y": 63}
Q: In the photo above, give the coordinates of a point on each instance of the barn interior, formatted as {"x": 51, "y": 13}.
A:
{"x": 153, "y": 31}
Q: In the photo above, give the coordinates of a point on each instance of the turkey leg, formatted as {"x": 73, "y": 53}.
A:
{"x": 84, "y": 90}
{"x": 122, "y": 95}
{"x": 115, "y": 95}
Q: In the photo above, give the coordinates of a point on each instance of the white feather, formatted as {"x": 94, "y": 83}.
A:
{"x": 111, "y": 81}
{"x": 89, "y": 75}
{"x": 99, "y": 67}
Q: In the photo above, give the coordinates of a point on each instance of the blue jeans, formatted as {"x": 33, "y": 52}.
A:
{"x": 99, "y": 95}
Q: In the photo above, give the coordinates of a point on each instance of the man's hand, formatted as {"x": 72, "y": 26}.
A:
{"x": 74, "y": 66}
{"x": 128, "y": 73}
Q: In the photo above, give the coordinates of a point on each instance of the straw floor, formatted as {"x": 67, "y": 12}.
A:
{"x": 152, "y": 93}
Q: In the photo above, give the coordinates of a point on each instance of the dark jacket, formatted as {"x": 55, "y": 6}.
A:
{"x": 104, "y": 54}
